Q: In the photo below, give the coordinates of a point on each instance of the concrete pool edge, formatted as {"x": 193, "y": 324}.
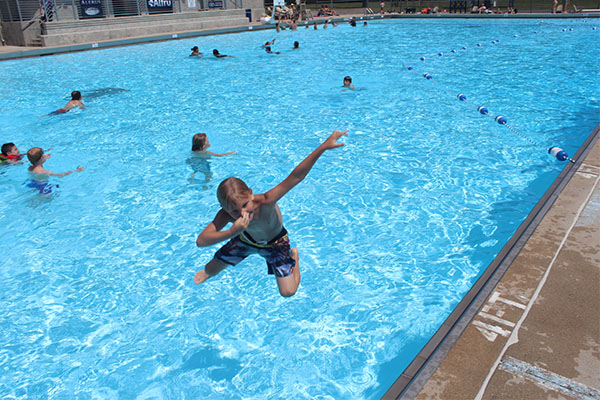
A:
{"x": 412, "y": 380}
{"x": 16, "y": 52}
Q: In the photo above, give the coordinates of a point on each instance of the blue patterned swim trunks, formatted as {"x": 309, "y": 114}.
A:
{"x": 276, "y": 252}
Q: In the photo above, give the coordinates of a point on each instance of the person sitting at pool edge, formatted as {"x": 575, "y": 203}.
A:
{"x": 200, "y": 143}
{"x": 257, "y": 225}
{"x": 37, "y": 158}
{"x": 10, "y": 154}
{"x": 195, "y": 52}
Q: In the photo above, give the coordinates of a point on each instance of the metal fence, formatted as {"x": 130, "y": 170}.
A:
{"x": 56, "y": 10}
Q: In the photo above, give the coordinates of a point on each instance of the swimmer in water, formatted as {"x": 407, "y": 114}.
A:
{"x": 74, "y": 102}
{"x": 37, "y": 157}
{"x": 296, "y": 45}
{"x": 272, "y": 42}
{"x": 10, "y": 154}
{"x": 196, "y": 52}
{"x": 268, "y": 50}
{"x": 199, "y": 160}
{"x": 200, "y": 143}
{"x": 219, "y": 55}
{"x": 348, "y": 83}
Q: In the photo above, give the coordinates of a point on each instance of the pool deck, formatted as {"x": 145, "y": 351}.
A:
{"x": 536, "y": 332}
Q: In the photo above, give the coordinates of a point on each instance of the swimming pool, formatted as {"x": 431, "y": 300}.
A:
{"x": 97, "y": 296}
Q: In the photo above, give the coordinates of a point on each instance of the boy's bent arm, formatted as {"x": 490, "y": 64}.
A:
{"x": 212, "y": 234}
{"x": 300, "y": 172}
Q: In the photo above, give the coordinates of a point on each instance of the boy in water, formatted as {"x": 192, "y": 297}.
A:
{"x": 10, "y": 154}
{"x": 257, "y": 225}
{"x": 348, "y": 83}
{"x": 74, "y": 102}
{"x": 37, "y": 158}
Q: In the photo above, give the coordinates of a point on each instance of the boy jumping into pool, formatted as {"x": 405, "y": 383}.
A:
{"x": 257, "y": 225}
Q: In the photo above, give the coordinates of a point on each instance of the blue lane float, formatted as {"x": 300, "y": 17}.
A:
{"x": 559, "y": 153}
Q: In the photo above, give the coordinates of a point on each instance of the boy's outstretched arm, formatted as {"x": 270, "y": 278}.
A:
{"x": 300, "y": 172}
{"x": 219, "y": 155}
{"x": 79, "y": 169}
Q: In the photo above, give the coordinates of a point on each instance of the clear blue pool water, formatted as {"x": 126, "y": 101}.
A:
{"x": 96, "y": 291}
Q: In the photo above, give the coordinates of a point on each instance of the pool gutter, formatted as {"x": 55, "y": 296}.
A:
{"x": 414, "y": 377}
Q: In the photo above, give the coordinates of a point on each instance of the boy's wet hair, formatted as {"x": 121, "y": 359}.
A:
{"x": 199, "y": 141}
{"x": 34, "y": 155}
{"x": 75, "y": 95}
{"x": 7, "y": 147}
{"x": 347, "y": 78}
{"x": 296, "y": 44}
{"x": 215, "y": 52}
{"x": 195, "y": 48}
{"x": 231, "y": 189}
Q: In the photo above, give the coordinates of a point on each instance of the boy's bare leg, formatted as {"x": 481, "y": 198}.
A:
{"x": 213, "y": 267}
{"x": 289, "y": 285}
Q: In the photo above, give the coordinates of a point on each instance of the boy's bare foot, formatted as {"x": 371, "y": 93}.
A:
{"x": 200, "y": 277}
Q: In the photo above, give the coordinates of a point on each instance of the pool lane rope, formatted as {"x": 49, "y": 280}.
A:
{"x": 480, "y": 44}
{"x": 554, "y": 151}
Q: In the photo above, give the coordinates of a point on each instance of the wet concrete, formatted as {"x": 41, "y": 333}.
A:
{"x": 537, "y": 336}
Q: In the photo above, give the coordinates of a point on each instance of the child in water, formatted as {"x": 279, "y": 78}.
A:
{"x": 219, "y": 55}
{"x": 269, "y": 51}
{"x": 10, "y": 154}
{"x": 199, "y": 162}
{"x": 257, "y": 225}
{"x": 348, "y": 83}
{"x": 195, "y": 52}
{"x": 200, "y": 143}
{"x": 37, "y": 158}
{"x": 74, "y": 102}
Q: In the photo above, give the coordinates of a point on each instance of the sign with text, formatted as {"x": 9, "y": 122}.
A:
{"x": 215, "y": 4}
{"x": 91, "y": 8}
{"x": 159, "y": 5}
